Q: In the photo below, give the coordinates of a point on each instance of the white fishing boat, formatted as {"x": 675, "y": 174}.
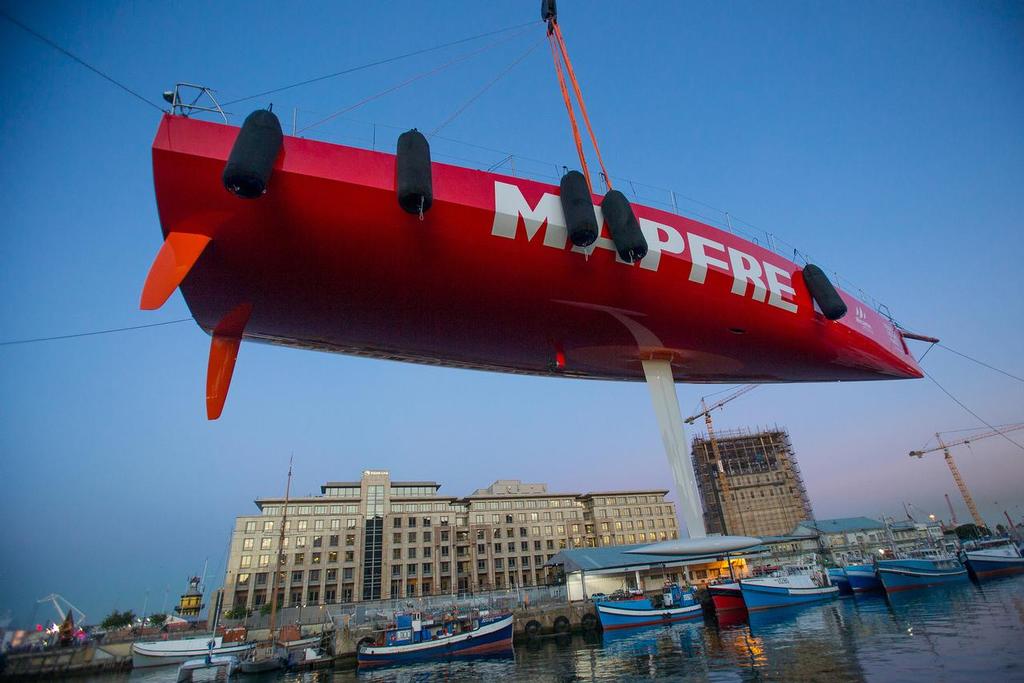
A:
{"x": 221, "y": 667}
{"x": 167, "y": 652}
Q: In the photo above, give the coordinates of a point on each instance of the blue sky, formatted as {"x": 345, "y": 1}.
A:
{"x": 882, "y": 138}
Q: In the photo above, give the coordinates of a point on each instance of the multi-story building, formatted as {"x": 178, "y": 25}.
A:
{"x": 376, "y": 538}
{"x": 764, "y": 493}
{"x": 851, "y": 539}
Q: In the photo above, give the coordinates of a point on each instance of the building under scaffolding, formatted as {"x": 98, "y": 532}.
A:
{"x": 763, "y": 494}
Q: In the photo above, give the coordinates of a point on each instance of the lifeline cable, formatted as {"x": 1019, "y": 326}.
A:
{"x": 484, "y": 89}
{"x": 379, "y": 62}
{"x": 409, "y": 81}
{"x": 78, "y": 59}
{"x": 91, "y": 334}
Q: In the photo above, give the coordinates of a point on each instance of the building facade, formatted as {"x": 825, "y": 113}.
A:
{"x": 379, "y": 539}
{"x": 855, "y": 539}
{"x": 764, "y": 493}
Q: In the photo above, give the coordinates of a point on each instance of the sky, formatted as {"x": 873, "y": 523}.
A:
{"x": 883, "y": 138}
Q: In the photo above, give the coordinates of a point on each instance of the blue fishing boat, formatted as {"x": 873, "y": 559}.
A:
{"x": 862, "y": 578}
{"x": 789, "y": 585}
{"x": 676, "y": 604}
{"x": 997, "y": 557}
{"x": 412, "y": 638}
{"x": 920, "y": 569}
{"x": 837, "y": 575}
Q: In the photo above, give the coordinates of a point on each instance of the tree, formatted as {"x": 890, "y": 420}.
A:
{"x": 157, "y": 619}
{"x": 237, "y": 612}
{"x": 1000, "y": 529}
{"x": 966, "y": 532}
{"x": 265, "y": 609}
{"x": 116, "y": 620}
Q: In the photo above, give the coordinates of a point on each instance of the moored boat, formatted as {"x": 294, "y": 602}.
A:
{"x": 412, "y": 638}
{"x": 676, "y": 605}
{"x": 166, "y": 652}
{"x": 920, "y": 569}
{"x": 726, "y": 596}
{"x": 790, "y": 585}
{"x": 837, "y": 575}
{"x": 862, "y": 578}
{"x": 223, "y": 667}
{"x": 989, "y": 559}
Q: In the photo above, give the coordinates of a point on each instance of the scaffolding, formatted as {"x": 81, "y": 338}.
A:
{"x": 766, "y": 495}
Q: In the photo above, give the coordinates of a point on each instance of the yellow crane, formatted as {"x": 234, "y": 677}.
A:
{"x": 944, "y": 447}
{"x": 723, "y": 486}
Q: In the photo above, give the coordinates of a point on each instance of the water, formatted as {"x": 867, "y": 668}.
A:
{"x": 959, "y": 633}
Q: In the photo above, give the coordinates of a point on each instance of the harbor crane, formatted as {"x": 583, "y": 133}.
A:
{"x": 63, "y": 607}
{"x": 723, "y": 486}
{"x": 944, "y": 447}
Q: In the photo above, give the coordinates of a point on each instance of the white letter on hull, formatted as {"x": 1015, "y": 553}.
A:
{"x": 777, "y": 288}
{"x": 510, "y": 205}
{"x": 701, "y": 261}
{"x": 653, "y": 231}
{"x": 745, "y": 268}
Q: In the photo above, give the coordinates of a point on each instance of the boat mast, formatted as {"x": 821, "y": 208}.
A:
{"x": 280, "y": 551}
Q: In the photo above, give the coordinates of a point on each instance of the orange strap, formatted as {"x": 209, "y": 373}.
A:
{"x": 579, "y": 98}
{"x": 568, "y": 107}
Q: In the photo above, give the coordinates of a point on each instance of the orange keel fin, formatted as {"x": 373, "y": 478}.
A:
{"x": 179, "y": 253}
{"x": 227, "y": 337}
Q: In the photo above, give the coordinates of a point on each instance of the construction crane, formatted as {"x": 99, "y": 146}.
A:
{"x": 63, "y": 609}
{"x": 944, "y": 447}
{"x": 952, "y": 513}
{"x": 723, "y": 486}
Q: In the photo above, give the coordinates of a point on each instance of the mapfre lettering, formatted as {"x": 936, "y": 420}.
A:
{"x": 760, "y": 280}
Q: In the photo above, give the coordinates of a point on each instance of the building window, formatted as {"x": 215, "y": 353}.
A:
{"x": 300, "y": 541}
{"x": 410, "y": 570}
{"x": 247, "y": 544}
{"x": 300, "y": 558}
{"x": 246, "y": 561}
{"x": 314, "y": 596}
{"x": 242, "y": 579}
{"x": 347, "y": 574}
{"x": 332, "y": 557}
{"x": 350, "y": 539}
{"x": 302, "y": 525}
{"x": 318, "y": 525}
{"x": 265, "y": 543}
{"x": 297, "y": 577}
{"x": 268, "y": 526}
{"x": 427, "y": 537}
{"x": 396, "y": 554}
{"x": 350, "y": 523}
{"x": 314, "y": 575}
{"x": 318, "y": 541}
{"x": 397, "y": 522}
{"x": 250, "y": 527}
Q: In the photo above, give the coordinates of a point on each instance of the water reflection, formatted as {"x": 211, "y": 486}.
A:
{"x": 952, "y": 633}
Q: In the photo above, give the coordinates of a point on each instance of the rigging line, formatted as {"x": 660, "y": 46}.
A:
{"x": 978, "y": 417}
{"x": 484, "y": 89}
{"x": 379, "y": 62}
{"x": 572, "y": 115}
{"x": 90, "y": 334}
{"x": 919, "y": 360}
{"x": 78, "y": 59}
{"x": 982, "y": 363}
{"x": 579, "y": 98}
{"x": 409, "y": 81}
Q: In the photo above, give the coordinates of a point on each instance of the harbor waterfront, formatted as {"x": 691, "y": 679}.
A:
{"x": 952, "y": 633}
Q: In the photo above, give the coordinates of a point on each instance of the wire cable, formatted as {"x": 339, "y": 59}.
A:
{"x": 406, "y": 82}
{"x": 91, "y": 334}
{"x": 982, "y": 363}
{"x": 484, "y": 89}
{"x": 976, "y": 416}
{"x": 78, "y": 59}
{"x": 379, "y": 62}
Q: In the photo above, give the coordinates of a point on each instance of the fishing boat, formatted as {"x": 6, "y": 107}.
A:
{"x": 862, "y": 578}
{"x": 167, "y": 652}
{"x": 839, "y": 579}
{"x": 920, "y": 569}
{"x": 726, "y": 596}
{"x": 989, "y": 559}
{"x": 789, "y": 585}
{"x": 413, "y": 638}
{"x": 676, "y": 604}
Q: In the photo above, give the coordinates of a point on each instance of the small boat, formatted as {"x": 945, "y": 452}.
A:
{"x": 310, "y": 658}
{"x": 837, "y": 575}
{"x": 989, "y": 559}
{"x": 266, "y": 656}
{"x": 862, "y": 578}
{"x": 790, "y": 585}
{"x": 726, "y": 596}
{"x": 920, "y": 569}
{"x": 166, "y": 652}
{"x": 411, "y": 638}
{"x": 676, "y": 604}
{"x": 222, "y": 666}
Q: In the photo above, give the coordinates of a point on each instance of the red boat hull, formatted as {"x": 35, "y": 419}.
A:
{"x": 726, "y": 600}
{"x": 327, "y": 260}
